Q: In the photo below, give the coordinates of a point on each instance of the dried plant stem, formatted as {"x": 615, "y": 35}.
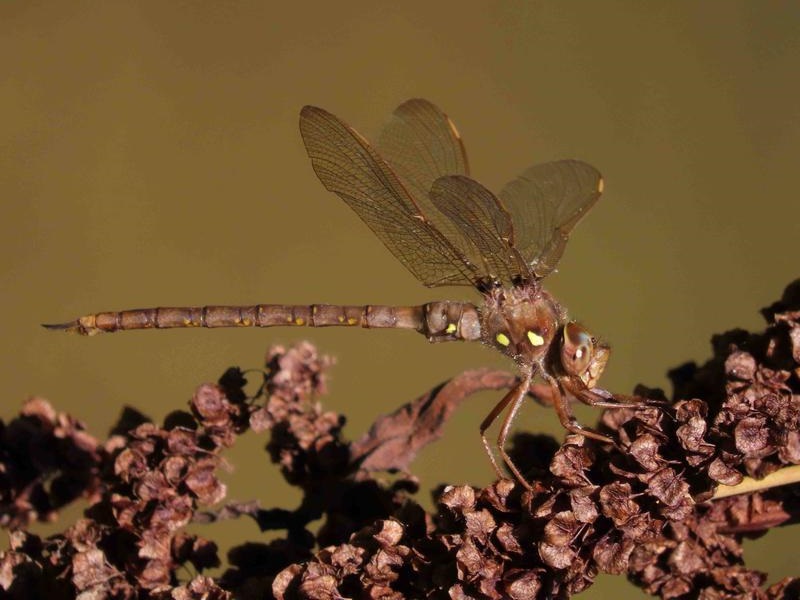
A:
{"x": 785, "y": 476}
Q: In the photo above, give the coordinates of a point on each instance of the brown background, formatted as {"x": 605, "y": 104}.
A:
{"x": 150, "y": 155}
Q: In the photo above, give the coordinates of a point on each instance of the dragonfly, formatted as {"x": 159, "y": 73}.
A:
{"x": 413, "y": 190}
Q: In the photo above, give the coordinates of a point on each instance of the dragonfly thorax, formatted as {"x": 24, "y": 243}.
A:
{"x": 521, "y": 322}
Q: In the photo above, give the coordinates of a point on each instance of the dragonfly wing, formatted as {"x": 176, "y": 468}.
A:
{"x": 545, "y": 203}
{"x": 483, "y": 220}
{"x": 421, "y": 144}
{"x": 347, "y": 165}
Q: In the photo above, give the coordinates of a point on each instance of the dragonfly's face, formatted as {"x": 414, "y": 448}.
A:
{"x": 582, "y": 355}
{"x": 522, "y": 328}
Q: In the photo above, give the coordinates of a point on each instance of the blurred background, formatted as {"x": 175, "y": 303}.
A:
{"x": 151, "y": 156}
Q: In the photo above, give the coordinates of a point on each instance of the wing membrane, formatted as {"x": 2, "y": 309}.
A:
{"x": 545, "y": 203}
{"x": 483, "y": 220}
{"x": 347, "y": 165}
{"x": 421, "y": 144}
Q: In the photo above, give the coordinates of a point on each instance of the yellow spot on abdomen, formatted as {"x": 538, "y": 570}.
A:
{"x": 352, "y": 321}
{"x": 299, "y": 321}
{"x": 535, "y": 338}
{"x": 451, "y": 328}
{"x": 502, "y": 339}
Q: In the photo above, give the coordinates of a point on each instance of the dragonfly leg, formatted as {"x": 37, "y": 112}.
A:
{"x": 513, "y": 398}
{"x": 521, "y": 390}
{"x": 602, "y": 398}
{"x": 487, "y": 422}
{"x": 567, "y": 419}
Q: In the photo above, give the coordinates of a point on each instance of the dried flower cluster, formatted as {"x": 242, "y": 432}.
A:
{"x": 643, "y": 508}
{"x": 146, "y": 486}
{"x": 47, "y": 461}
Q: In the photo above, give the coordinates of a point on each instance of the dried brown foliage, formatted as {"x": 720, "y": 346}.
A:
{"x": 642, "y": 508}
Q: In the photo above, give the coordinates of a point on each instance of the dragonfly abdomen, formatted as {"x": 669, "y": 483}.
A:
{"x": 438, "y": 321}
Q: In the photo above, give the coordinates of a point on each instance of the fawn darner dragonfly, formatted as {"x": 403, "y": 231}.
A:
{"x": 412, "y": 188}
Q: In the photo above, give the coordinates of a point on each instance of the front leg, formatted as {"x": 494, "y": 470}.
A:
{"x": 602, "y": 398}
{"x": 564, "y": 412}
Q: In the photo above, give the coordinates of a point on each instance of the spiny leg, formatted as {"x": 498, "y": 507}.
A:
{"x": 590, "y": 398}
{"x": 506, "y": 427}
{"x": 514, "y": 398}
{"x": 487, "y": 422}
{"x": 567, "y": 419}
{"x": 603, "y": 399}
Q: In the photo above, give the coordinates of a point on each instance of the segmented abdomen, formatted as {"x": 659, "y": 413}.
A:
{"x": 438, "y": 321}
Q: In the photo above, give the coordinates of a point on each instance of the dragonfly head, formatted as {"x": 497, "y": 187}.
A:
{"x": 581, "y": 355}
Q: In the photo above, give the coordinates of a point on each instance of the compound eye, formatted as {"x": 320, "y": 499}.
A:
{"x": 577, "y": 349}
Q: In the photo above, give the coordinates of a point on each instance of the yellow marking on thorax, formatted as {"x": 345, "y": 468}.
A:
{"x": 299, "y": 321}
{"x": 451, "y": 328}
{"x": 352, "y": 321}
{"x": 502, "y": 339}
{"x": 535, "y": 338}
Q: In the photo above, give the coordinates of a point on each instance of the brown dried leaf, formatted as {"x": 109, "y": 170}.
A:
{"x": 394, "y": 440}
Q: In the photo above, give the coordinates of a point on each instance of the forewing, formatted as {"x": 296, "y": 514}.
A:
{"x": 482, "y": 219}
{"x": 545, "y": 203}
{"x": 421, "y": 144}
{"x": 347, "y": 165}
